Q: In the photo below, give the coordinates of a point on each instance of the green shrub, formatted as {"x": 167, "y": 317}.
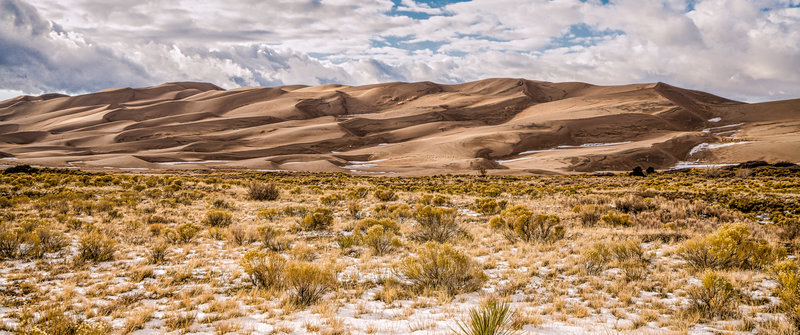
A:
{"x": 266, "y": 270}
{"x": 319, "y": 219}
{"x": 616, "y": 220}
{"x": 442, "y": 267}
{"x": 495, "y": 318}
{"x": 354, "y": 209}
{"x": 10, "y": 240}
{"x": 437, "y": 224}
{"x": 365, "y": 224}
{"x": 715, "y": 297}
{"x": 729, "y": 247}
{"x": 263, "y": 192}
{"x": 787, "y": 275}
{"x": 395, "y": 211}
{"x": 308, "y": 282}
{"x": 357, "y": 193}
{"x": 269, "y": 213}
{"x": 218, "y": 218}
{"x": 519, "y": 222}
{"x": 346, "y": 241}
{"x": 488, "y": 206}
{"x": 788, "y": 224}
{"x": 96, "y": 247}
{"x": 384, "y": 194}
{"x": 187, "y": 231}
{"x": 330, "y": 199}
{"x": 380, "y": 240}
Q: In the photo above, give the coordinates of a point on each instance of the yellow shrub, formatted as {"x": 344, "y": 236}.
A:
{"x": 265, "y": 269}
{"x": 787, "y": 275}
{"x": 730, "y": 246}
{"x": 442, "y": 267}
{"x": 307, "y": 282}
{"x": 262, "y": 192}
{"x": 521, "y": 223}
{"x": 320, "y": 218}
{"x": 437, "y": 224}
{"x": 715, "y": 297}
{"x": 96, "y": 247}
{"x": 218, "y": 218}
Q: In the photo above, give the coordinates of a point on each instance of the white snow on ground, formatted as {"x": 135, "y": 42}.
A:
{"x": 714, "y": 129}
{"x": 697, "y": 165}
{"x": 560, "y": 147}
{"x": 716, "y": 119}
{"x": 706, "y": 146}
{"x": 362, "y": 164}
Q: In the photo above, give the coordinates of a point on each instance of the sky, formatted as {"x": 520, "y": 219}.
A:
{"x": 747, "y": 50}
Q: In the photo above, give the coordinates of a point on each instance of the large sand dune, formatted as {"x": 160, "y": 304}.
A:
{"x": 510, "y": 126}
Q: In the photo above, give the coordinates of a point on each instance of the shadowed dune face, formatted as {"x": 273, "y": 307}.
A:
{"x": 503, "y": 125}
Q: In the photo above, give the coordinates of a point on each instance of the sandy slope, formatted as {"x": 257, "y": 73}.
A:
{"x": 511, "y": 126}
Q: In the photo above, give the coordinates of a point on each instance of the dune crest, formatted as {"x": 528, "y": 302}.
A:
{"x": 508, "y": 126}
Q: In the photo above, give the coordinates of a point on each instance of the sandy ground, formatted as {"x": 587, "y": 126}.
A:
{"x": 506, "y": 126}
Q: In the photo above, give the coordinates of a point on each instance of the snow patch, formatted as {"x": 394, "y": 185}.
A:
{"x": 706, "y": 146}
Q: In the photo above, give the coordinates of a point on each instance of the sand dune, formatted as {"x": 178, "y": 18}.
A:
{"x": 509, "y": 126}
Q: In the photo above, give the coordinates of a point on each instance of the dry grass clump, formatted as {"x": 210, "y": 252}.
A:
{"x": 436, "y": 224}
{"x": 56, "y": 320}
{"x": 730, "y": 247}
{"x": 590, "y": 214}
{"x": 631, "y": 204}
{"x": 33, "y": 238}
{"x": 218, "y": 218}
{"x": 158, "y": 251}
{"x": 715, "y": 296}
{"x": 263, "y": 192}
{"x": 626, "y": 255}
{"x": 96, "y": 247}
{"x": 305, "y": 281}
{"x": 520, "y": 222}
{"x": 441, "y": 267}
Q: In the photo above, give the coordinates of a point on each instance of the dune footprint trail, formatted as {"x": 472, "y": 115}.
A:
{"x": 511, "y": 126}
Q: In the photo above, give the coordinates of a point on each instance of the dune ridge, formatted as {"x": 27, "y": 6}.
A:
{"x": 508, "y": 126}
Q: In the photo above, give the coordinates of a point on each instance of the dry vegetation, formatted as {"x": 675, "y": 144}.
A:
{"x": 244, "y": 252}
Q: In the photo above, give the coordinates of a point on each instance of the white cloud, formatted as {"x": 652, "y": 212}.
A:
{"x": 730, "y": 47}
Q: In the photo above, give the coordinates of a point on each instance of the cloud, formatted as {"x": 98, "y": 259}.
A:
{"x": 743, "y": 49}
{"x": 37, "y": 56}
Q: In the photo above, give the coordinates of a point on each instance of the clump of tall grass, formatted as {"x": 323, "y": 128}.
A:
{"x": 494, "y": 318}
